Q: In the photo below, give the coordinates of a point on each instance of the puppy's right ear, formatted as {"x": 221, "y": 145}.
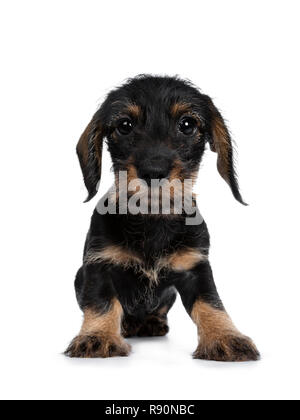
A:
{"x": 89, "y": 151}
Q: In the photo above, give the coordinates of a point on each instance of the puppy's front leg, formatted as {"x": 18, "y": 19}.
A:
{"x": 100, "y": 335}
{"x": 219, "y": 339}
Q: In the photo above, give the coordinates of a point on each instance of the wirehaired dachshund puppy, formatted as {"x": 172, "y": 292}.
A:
{"x": 134, "y": 262}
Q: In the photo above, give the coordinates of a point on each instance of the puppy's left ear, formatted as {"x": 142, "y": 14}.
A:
{"x": 221, "y": 143}
{"x": 89, "y": 151}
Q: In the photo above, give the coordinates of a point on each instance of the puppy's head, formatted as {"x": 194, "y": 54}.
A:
{"x": 156, "y": 128}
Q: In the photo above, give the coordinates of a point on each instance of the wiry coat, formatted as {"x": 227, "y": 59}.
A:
{"x": 155, "y": 127}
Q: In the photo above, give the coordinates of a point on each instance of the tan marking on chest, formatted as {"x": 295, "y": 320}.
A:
{"x": 180, "y": 260}
{"x": 114, "y": 254}
{"x": 184, "y": 259}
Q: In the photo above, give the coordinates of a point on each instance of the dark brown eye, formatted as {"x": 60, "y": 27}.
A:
{"x": 124, "y": 127}
{"x": 188, "y": 126}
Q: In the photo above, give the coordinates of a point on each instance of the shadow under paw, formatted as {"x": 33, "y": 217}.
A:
{"x": 229, "y": 348}
{"x": 85, "y": 346}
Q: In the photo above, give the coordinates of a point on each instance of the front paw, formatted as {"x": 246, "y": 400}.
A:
{"x": 229, "y": 348}
{"x": 86, "y": 346}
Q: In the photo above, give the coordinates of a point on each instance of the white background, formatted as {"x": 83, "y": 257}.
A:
{"x": 58, "y": 60}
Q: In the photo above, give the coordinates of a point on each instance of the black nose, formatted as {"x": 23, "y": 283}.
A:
{"x": 153, "y": 169}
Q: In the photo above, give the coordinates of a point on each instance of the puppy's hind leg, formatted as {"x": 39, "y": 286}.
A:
{"x": 155, "y": 324}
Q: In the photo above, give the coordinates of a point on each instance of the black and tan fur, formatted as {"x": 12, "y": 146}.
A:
{"x": 133, "y": 265}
